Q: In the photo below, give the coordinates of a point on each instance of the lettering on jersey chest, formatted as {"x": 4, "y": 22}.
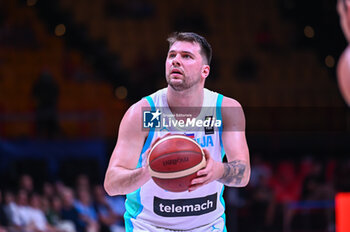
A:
{"x": 184, "y": 207}
{"x": 203, "y": 141}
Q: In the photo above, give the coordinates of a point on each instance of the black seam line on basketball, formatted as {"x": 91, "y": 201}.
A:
{"x": 171, "y": 154}
{"x": 176, "y": 173}
{"x": 177, "y": 170}
{"x": 176, "y": 136}
{"x": 196, "y": 152}
{"x": 175, "y": 177}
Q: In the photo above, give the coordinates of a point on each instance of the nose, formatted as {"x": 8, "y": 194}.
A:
{"x": 175, "y": 61}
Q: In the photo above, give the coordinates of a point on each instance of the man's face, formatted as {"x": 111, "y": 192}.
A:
{"x": 343, "y": 8}
{"x": 185, "y": 66}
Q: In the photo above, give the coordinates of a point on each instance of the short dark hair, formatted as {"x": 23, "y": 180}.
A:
{"x": 206, "y": 50}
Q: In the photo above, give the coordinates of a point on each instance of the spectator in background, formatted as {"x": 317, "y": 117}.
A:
{"x": 261, "y": 201}
{"x": 261, "y": 171}
{"x": 69, "y": 212}
{"x": 316, "y": 189}
{"x": 233, "y": 200}
{"x": 315, "y": 194}
{"x": 20, "y": 213}
{"x": 286, "y": 183}
{"x": 48, "y": 190}
{"x": 110, "y": 218}
{"x": 286, "y": 186}
{"x": 9, "y": 205}
{"x": 54, "y": 218}
{"x": 342, "y": 172}
{"x": 26, "y": 183}
{"x": 262, "y": 206}
{"x": 59, "y": 187}
{"x": 86, "y": 210}
{"x": 315, "y": 186}
{"x": 46, "y": 92}
{"x": 3, "y": 217}
{"x": 36, "y": 215}
{"x": 82, "y": 181}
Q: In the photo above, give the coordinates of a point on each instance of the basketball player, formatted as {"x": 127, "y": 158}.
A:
{"x": 343, "y": 68}
{"x": 149, "y": 207}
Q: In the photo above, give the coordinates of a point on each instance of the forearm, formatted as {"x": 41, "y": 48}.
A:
{"x": 236, "y": 173}
{"x": 120, "y": 181}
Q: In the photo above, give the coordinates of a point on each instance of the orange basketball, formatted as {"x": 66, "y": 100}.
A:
{"x": 174, "y": 161}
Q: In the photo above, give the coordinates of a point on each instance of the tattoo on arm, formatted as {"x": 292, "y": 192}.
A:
{"x": 233, "y": 172}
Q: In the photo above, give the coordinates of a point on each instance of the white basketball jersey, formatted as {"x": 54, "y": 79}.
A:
{"x": 180, "y": 210}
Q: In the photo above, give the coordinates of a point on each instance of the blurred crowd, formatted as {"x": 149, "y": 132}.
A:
{"x": 288, "y": 195}
{"x": 282, "y": 195}
{"x": 60, "y": 208}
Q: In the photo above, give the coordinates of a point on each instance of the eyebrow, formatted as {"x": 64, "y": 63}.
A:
{"x": 182, "y": 51}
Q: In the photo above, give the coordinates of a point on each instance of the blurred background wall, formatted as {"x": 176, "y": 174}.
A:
{"x": 70, "y": 69}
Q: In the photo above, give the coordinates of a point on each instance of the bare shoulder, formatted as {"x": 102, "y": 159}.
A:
{"x": 136, "y": 108}
{"x": 232, "y": 114}
{"x": 230, "y": 102}
{"x": 131, "y": 136}
{"x": 135, "y": 111}
{"x": 132, "y": 120}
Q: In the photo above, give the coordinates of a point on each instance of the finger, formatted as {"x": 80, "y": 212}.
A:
{"x": 197, "y": 181}
{"x": 163, "y": 136}
{"x": 153, "y": 143}
{"x": 206, "y": 153}
{"x": 196, "y": 186}
{"x": 159, "y": 138}
{"x": 147, "y": 154}
{"x": 201, "y": 179}
{"x": 204, "y": 171}
{"x": 192, "y": 188}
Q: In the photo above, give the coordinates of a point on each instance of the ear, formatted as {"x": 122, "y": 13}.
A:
{"x": 205, "y": 71}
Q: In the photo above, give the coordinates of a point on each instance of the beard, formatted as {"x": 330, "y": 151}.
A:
{"x": 184, "y": 84}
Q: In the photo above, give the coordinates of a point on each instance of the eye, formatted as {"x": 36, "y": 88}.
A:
{"x": 171, "y": 55}
{"x": 186, "y": 56}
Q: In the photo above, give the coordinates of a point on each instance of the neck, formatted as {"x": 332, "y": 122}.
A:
{"x": 189, "y": 97}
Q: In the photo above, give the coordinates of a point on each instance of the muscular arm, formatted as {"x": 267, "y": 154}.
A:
{"x": 122, "y": 176}
{"x": 236, "y": 172}
{"x": 233, "y": 172}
